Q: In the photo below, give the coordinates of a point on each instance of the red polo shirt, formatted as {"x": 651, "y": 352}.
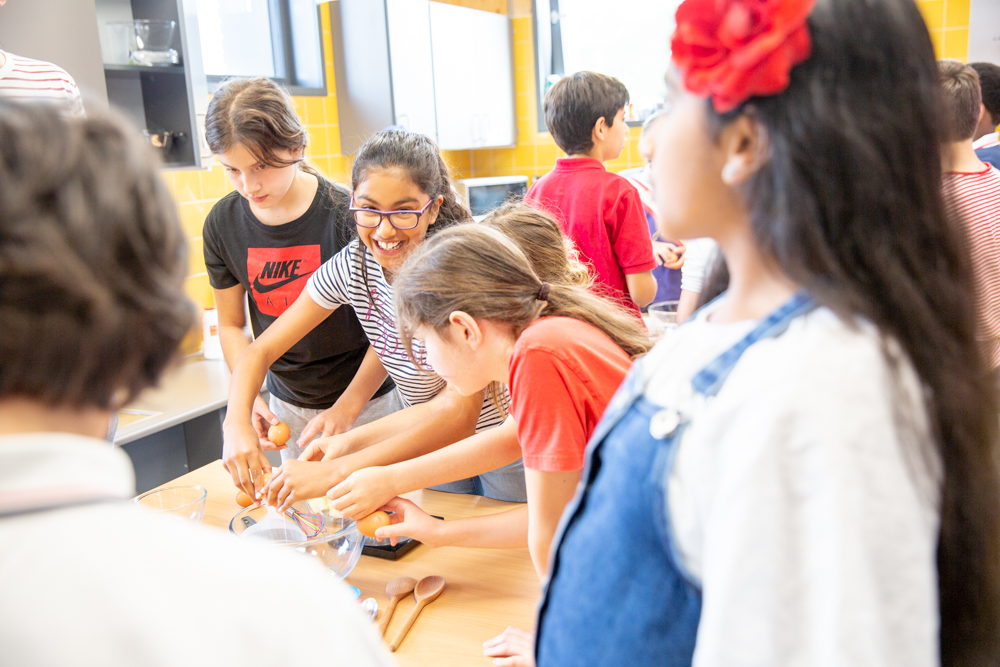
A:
{"x": 603, "y": 215}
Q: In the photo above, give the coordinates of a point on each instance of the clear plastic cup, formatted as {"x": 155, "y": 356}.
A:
{"x": 664, "y": 315}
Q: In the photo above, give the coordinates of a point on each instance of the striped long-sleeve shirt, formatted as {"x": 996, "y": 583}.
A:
{"x": 339, "y": 282}
{"x": 27, "y": 80}
{"x": 974, "y": 199}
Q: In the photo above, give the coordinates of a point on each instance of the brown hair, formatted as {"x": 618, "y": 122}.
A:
{"x": 552, "y": 256}
{"x": 92, "y": 261}
{"x": 479, "y": 271}
{"x": 574, "y": 105}
{"x": 260, "y": 116}
{"x": 962, "y": 100}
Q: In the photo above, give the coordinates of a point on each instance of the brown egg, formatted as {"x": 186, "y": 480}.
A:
{"x": 243, "y": 500}
{"x": 368, "y": 525}
{"x": 278, "y": 434}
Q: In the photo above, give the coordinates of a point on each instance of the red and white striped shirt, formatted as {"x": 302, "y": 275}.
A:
{"x": 974, "y": 199}
{"x": 30, "y": 80}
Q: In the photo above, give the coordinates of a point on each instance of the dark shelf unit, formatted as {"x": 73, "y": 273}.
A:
{"x": 168, "y": 102}
{"x": 160, "y": 69}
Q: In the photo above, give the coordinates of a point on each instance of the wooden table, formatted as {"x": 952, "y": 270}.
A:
{"x": 487, "y": 589}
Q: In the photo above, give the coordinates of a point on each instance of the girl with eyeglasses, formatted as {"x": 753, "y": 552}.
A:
{"x": 261, "y": 243}
{"x": 401, "y": 193}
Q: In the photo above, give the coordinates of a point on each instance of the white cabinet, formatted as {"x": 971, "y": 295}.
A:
{"x": 411, "y": 65}
{"x": 984, "y": 31}
{"x": 438, "y": 69}
{"x": 473, "y": 88}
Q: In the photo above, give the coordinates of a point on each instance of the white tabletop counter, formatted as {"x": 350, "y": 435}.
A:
{"x": 194, "y": 387}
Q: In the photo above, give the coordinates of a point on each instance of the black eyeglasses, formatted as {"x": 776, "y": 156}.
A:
{"x": 402, "y": 219}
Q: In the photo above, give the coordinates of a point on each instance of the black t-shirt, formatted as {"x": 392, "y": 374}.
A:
{"x": 273, "y": 264}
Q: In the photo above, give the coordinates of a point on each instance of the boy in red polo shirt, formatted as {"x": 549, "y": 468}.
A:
{"x": 972, "y": 198}
{"x": 600, "y": 211}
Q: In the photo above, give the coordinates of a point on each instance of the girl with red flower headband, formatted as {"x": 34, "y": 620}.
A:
{"x": 805, "y": 472}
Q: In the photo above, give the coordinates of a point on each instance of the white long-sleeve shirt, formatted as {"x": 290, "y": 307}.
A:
{"x": 804, "y": 497}
{"x": 111, "y": 585}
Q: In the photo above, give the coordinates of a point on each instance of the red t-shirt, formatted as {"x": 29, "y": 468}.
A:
{"x": 603, "y": 215}
{"x": 563, "y": 373}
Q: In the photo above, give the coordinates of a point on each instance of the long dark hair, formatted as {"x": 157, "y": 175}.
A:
{"x": 850, "y": 206}
{"x": 419, "y": 158}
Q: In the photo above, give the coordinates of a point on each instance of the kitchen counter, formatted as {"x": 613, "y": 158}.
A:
{"x": 195, "y": 387}
{"x": 176, "y": 427}
{"x": 486, "y": 589}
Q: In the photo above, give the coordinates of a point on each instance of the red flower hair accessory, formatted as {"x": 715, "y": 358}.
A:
{"x": 732, "y": 50}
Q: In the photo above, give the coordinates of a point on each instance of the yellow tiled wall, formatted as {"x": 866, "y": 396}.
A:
{"x": 948, "y": 22}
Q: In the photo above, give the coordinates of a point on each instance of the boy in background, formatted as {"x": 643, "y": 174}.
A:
{"x": 92, "y": 309}
{"x": 601, "y": 212}
{"x": 28, "y": 80}
{"x": 972, "y": 198}
{"x": 987, "y": 140}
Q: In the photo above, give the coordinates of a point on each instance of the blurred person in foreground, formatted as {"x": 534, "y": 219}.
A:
{"x": 92, "y": 309}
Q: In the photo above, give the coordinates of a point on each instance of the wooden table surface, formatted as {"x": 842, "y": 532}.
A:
{"x": 487, "y": 589}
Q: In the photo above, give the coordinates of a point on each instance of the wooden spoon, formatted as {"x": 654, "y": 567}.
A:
{"x": 427, "y": 590}
{"x": 395, "y": 590}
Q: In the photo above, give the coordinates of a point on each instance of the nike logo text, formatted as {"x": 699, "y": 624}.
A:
{"x": 278, "y": 269}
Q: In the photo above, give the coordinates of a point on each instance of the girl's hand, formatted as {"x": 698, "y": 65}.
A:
{"x": 513, "y": 647}
{"x": 299, "y": 480}
{"x": 409, "y": 520}
{"x": 243, "y": 458}
{"x": 332, "y": 421}
{"x": 263, "y": 419}
{"x": 326, "y": 449}
{"x": 669, "y": 254}
{"x": 363, "y": 492}
{"x": 679, "y": 251}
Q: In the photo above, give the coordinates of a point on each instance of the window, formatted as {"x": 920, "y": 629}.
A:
{"x": 279, "y": 39}
{"x": 629, "y": 41}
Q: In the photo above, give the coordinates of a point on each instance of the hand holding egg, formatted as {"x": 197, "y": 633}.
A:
{"x": 244, "y": 500}
{"x": 369, "y": 524}
{"x": 279, "y": 434}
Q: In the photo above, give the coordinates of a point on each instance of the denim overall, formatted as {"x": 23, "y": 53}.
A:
{"x": 618, "y": 593}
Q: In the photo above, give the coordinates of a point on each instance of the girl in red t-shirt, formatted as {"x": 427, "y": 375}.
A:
{"x": 562, "y": 350}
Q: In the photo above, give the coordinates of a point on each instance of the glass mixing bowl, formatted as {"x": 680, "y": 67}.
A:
{"x": 338, "y": 545}
{"x": 183, "y": 502}
{"x": 152, "y": 43}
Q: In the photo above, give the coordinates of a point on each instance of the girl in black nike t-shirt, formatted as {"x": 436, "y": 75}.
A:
{"x": 262, "y": 242}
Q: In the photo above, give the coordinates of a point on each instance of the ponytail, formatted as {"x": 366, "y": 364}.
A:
{"x": 553, "y": 257}
{"x": 476, "y": 270}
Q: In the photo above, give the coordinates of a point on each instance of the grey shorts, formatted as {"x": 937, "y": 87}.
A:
{"x": 297, "y": 417}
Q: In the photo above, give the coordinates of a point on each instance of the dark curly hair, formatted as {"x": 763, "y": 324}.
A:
{"x": 989, "y": 84}
{"x": 92, "y": 261}
{"x": 419, "y": 158}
